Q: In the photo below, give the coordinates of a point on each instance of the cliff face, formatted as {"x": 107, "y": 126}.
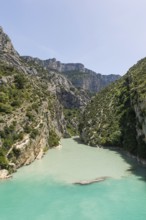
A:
{"x": 53, "y": 64}
{"x": 6, "y": 45}
{"x": 8, "y": 55}
{"x": 117, "y": 115}
{"x": 90, "y": 81}
{"x": 31, "y": 118}
{"x": 68, "y": 95}
{"x": 33, "y": 102}
{"x": 80, "y": 76}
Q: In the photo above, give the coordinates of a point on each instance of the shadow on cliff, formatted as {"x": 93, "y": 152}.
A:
{"x": 135, "y": 167}
{"x": 78, "y": 140}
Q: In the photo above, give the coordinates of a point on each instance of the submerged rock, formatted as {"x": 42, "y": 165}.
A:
{"x": 87, "y": 182}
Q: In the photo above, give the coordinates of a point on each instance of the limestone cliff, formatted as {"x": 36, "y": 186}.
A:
{"x": 31, "y": 118}
{"x": 6, "y": 46}
{"x": 117, "y": 115}
{"x": 80, "y": 76}
{"x": 90, "y": 81}
{"x": 32, "y": 105}
{"x": 53, "y": 64}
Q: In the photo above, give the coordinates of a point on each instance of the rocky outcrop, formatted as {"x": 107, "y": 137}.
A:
{"x": 80, "y": 76}
{"x": 4, "y": 174}
{"x": 8, "y": 55}
{"x": 67, "y": 94}
{"x": 53, "y": 64}
{"x": 6, "y": 45}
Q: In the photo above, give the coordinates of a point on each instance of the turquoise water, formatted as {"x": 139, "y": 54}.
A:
{"x": 44, "y": 190}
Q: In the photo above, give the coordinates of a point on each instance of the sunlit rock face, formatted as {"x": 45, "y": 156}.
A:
{"x": 80, "y": 76}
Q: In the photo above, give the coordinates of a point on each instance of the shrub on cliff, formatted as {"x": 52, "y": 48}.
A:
{"x": 53, "y": 139}
{"x": 116, "y": 116}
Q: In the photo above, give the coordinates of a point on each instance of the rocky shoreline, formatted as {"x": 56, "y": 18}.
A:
{"x": 4, "y": 174}
{"x": 140, "y": 161}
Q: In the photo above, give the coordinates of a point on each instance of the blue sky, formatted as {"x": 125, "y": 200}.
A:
{"x": 107, "y": 36}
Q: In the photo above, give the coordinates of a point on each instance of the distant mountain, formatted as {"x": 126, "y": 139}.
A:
{"x": 90, "y": 81}
{"x": 80, "y": 76}
{"x": 117, "y": 114}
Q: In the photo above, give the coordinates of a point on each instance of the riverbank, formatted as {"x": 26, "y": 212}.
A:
{"x": 138, "y": 160}
{"x": 4, "y": 174}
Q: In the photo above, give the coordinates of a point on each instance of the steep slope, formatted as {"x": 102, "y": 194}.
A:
{"x": 8, "y": 55}
{"x": 72, "y": 99}
{"x": 90, "y": 81}
{"x": 68, "y": 95}
{"x": 6, "y": 47}
{"x": 80, "y": 76}
{"x": 31, "y": 118}
{"x": 34, "y": 104}
{"x": 117, "y": 115}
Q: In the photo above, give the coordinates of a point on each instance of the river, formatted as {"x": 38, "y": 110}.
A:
{"x": 45, "y": 190}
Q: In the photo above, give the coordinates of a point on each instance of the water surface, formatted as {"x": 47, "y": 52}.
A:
{"x": 44, "y": 190}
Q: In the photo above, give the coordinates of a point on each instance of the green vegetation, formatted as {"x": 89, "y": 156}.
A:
{"x": 53, "y": 139}
{"x": 114, "y": 115}
{"x": 72, "y": 118}
{"x": 8, "y": 136}
{"x": 6, "y": 70}
{"x": 32, "y": 99}
{"x": 34, "y": 133}
{"x": 20, "y": 81}
{"x": 12, "y": 92}
{"x": 3, "y": 161}
{"x": 22, "y": 98}
{"x": 5, "y": 108}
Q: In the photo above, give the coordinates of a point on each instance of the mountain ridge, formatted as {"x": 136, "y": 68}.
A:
{"x": 80, "y": 76}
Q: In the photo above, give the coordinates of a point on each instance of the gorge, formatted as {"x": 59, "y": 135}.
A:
{"x": 38, "y": 104}
{"x": 89, "y": 126}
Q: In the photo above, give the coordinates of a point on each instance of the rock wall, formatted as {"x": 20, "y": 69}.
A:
{"x": 117, "y": 115}
{"x": 32, "y": 103}
{"x": 80, "y": 76}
